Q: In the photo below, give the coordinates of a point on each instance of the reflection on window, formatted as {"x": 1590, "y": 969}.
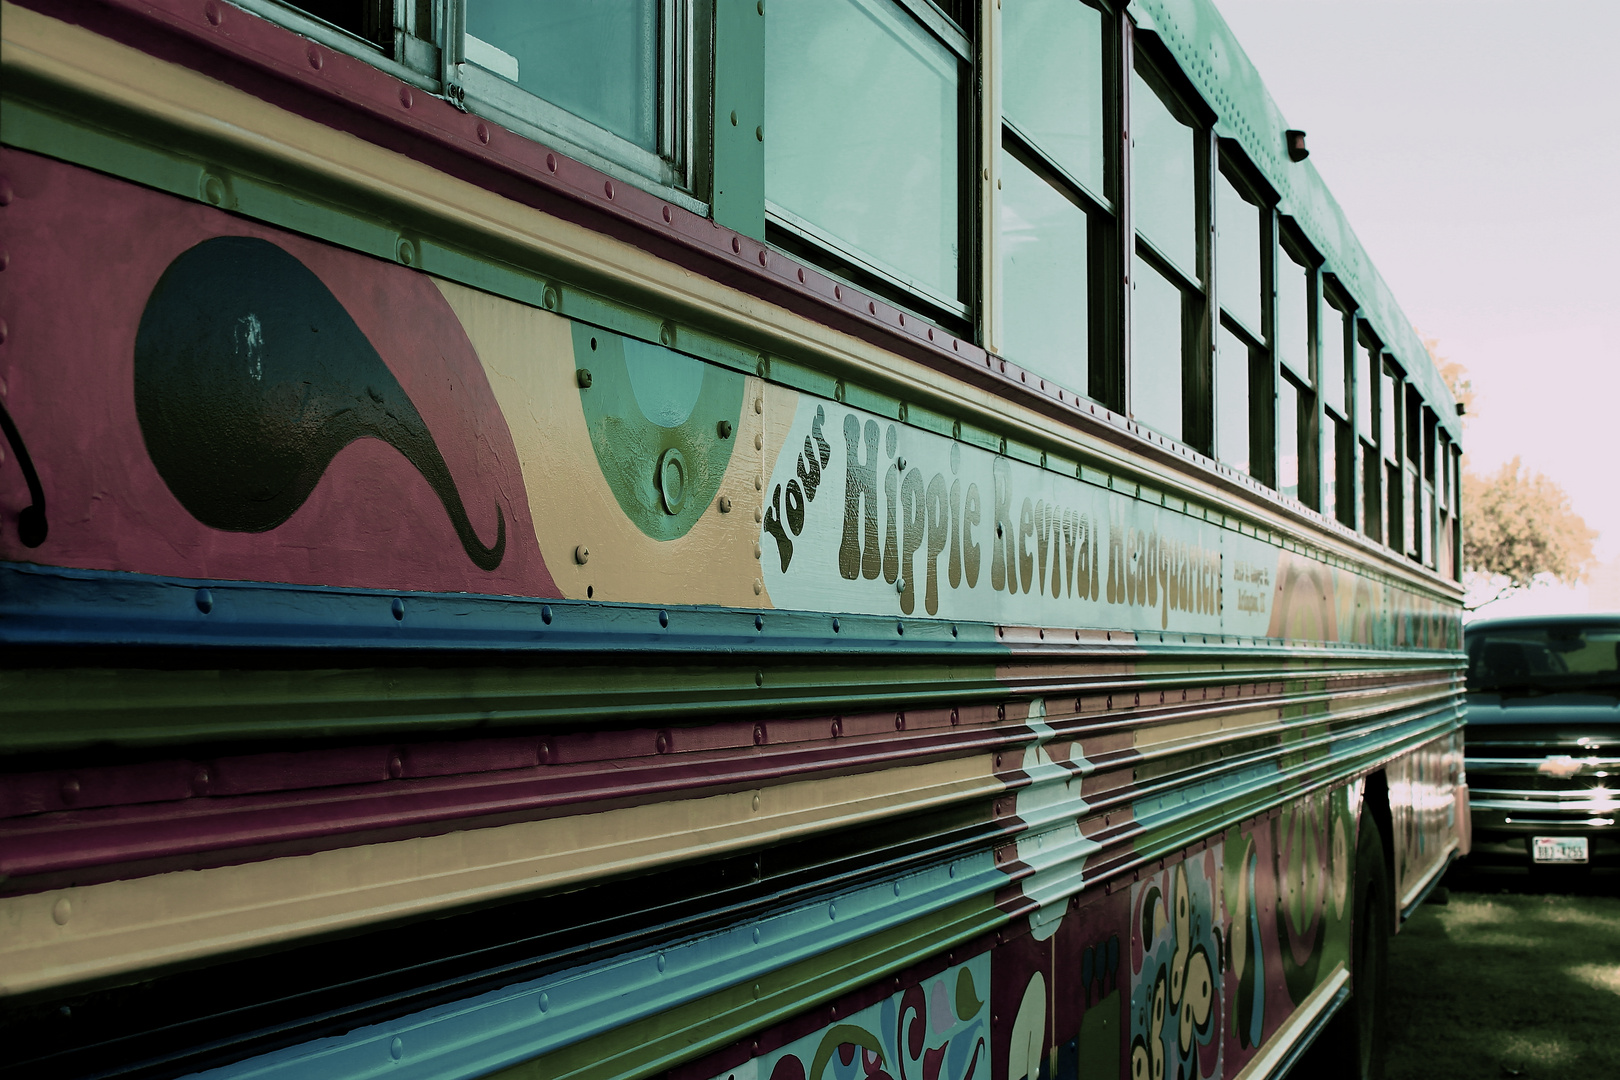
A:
{"x": 861, "y": 116}
{"x": 1364, "y": 390}
{"x": 1043, "y": 267}
{"x": 1333, "y": 361}
{"x": 1288, "y": 433}
{"x": 1293, "y": 317}
{"x": 1052, "y": 88}
{"x": 362, "y": 18}
{"x": 598, "y": 60}
{"x": 1156, "y": 336}
{"x": 1237, "y": 255}
{"x": 1386, "y": 414}
{"x": 1232, "y": 400}
{"x": 1163, "y": 178}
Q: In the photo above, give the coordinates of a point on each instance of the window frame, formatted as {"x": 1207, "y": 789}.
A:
{"x": 1104, "y": 216}
{"x": 802, "y": 239}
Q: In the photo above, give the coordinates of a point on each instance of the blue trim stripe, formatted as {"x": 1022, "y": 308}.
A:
{"x": 504, "y": 1027}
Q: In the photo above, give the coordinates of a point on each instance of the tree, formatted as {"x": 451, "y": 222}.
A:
{"x": 1456, "y": 376}
{"x": 1518, "y": 526}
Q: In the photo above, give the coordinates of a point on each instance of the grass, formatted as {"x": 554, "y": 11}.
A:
{"x": 1506, "y": 985}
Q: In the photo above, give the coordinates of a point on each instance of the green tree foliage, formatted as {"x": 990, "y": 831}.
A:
{"x": 1517, "y": 526}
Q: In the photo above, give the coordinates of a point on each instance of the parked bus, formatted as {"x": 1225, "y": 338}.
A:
{"x": 703, "y": 539}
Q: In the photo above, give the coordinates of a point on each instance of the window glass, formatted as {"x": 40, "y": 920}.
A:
{"x": 1364, "y": 390}
{"x": 1333, "y": 361}
{"x": 1043, "y": 267}
{"x": 1237, "y": 253}
{"x": 1155, "y": 349}
{"x": 1163, "y": 178}
{"x": 1330, "y": 467}
{"x": 1427, "y": 512}
{"x": 1386, "y": 413}
{"x": 597, "y": 60}
{"x": 1293, "y": 317}
{"x": 1288, "y": 438}
{"x": 1052, "y": 86}
{"x": 1232, "y": 400}
{"x": 861, "y": 116}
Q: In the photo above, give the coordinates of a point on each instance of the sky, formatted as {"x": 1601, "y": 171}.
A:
{"x": 1474, "y": 146}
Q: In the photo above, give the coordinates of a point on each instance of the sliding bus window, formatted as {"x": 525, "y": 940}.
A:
{"x": 1166, "y": 285}
{"x": 1296, "y": 300}
{"x": 1244, "y": 395}
{"x": 605, "y": 76}
{"x": 1296, "y": 410}
{"x": 1430, "y": 508}
{"x": 1335, "y": 359}
{"x": 1055, "y": 214}
{"x": 864, "y": 106}
{"x": 1389, "y": 394}
{"x": 1368, "y": 366}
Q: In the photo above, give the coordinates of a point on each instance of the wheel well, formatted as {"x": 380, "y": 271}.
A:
{"x": 1375, "y": 804}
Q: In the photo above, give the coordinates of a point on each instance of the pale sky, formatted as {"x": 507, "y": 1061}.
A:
{"x": 1475, "y": 148}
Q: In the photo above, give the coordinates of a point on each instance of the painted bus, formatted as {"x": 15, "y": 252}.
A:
{"x": 702, "y": 539}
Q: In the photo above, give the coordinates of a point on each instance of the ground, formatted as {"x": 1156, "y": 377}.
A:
{"x": 1513, "y": 976}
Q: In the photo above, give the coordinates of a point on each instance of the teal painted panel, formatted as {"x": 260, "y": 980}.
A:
{"x": 739, "y": 116}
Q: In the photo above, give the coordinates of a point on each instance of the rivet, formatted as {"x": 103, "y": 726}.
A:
{"x": 315, "y": 58}
{"x": 755, "y": 935}
{"x": 607, "y": 188}
{"x": 762, "y": 257}
{"x": 835, "y": 626}
{"x": 900, "y": 721}
{"x": 897, "y": 893}
{"x": 215, "y": 16}
{"x": 759, "y": 587}
{"x": 871, "y": 307}
{"x": 736, "y": 245}
{"x": 837, "y": 726}
{"x": 902, "y": 319}
{"x": 666, "y": 334}
{"x": 733, "y": 117}
{"x": 405, "y": 97}
{"x": 900, "y": 585}
{"x": 396, "y": 765}
{"x": 759, "y": 483}
{"x": 669, "y": 215}
{"x": 953, "y": 630}
{"x": 759, "y": 404}
{"x": 543, "y": 752}
{"x": 663, "y": 618}
{"x": 398, "y": 608}
{"x": 756, "y": 802}
{"x": 662, "y": 742}
{"x": 955, "y": 718}
{"x": 758, "y": 514}
{"x": 545, "y": 614}
{"x": 801, "y": 275}
{"x": 551, "y": 166}
{"x": 832, "y": 910}
{"x": 406, "y": 252}
{"x": 760, "y": 7}
{"x": 901, "y": 462}
{"x": 723, "y": 428}
{"x": 759, "y": 678}
{"x": 662, "y": 962}
{"x": 205, "y": 601}
{"x": 759, "y": 740}
{"x": 725, "y": 504}
{"x": 838, "y": 292}
{"x": 759, "y": 622}
{"x": 213, "y": 190}
{"x": 545, "y": 1002}
{"x": 582, "y": 554}
{"x": 396, "y": 1049}
{"x": 759, "y": 134}
{"x": 756, "y": 551}
{"x": 70, "y": 790}
{"x": 759, "y": 442}
{"x": 900, "y": 628}
{"x": 548, "y": 298}
{"x": 62, "y": 911}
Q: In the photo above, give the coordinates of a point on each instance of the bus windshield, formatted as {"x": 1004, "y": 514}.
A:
{"x": 1545, "y": 658}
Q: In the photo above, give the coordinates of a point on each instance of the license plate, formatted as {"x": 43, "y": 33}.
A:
{"x": 1558, "y": 849}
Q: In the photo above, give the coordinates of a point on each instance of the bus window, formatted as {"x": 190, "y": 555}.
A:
{"x": 1232, "y": 400}
{"x": 1054, "y": 207}
{"x": 1043, "y": 276}
{"x": 1295, "y": 297}
{"x": 1165, "y": 277}
{"x": 1335, "y": 359}
{"x": 1157, "y": 314}
{"x": 1164, "y": 184}
{"x": 599, "y": 62}
{"x": 1237, "y": 250}
{"x": 1292, "y": 427}
{"x": 1052, "y": 83}
{"x": 863, "y": 106}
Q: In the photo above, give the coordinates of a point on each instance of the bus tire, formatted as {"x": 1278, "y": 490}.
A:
{"x": 1352, "y": 1045}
